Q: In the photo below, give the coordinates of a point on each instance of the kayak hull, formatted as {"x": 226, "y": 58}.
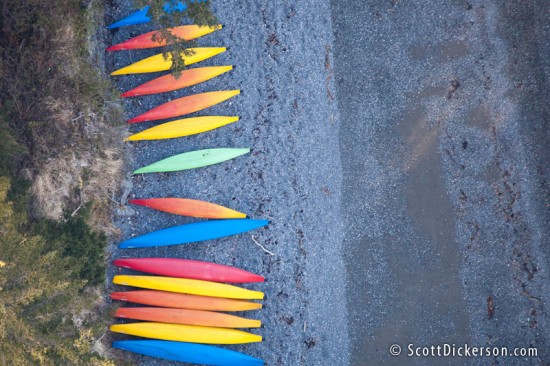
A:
{"x": 183, "y": 127}
{"x": 167, "y": 83}
{"x": 185, "y": 105}
{"x": 144, "y": 41}
{"x": 189, "y": 207}
{"x": 186, "y": 268}
{"x": 188, "y": 352}
{"x": 190, "y": 233}
{"x": 188, "y": 286}
{"x": 184, "y": 301}
{"x": 189, "y": 317}
{"x": 158, "y": 63}
{"x": 193, "y": 160}
{"x": 186, "y": 333}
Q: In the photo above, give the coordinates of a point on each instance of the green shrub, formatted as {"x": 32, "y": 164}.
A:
{"x": 74, "y": 238}
{"x": 43, "y": 316}
{"x": 10, "y": 150}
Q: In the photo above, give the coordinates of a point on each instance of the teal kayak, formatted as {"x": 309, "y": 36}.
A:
{"x": 192, "y": 160}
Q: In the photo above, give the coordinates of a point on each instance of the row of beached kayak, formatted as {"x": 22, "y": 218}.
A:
{"x": 182, "y": 316}
{"x": 183, "y": 303}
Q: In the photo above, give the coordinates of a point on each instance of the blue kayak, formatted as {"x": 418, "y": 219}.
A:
{"x": 194, "y": 232}
{"x": 188, "y": 352}
{"x": 141, "y": 15}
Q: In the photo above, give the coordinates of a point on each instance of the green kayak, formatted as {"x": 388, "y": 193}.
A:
{"x": 192, "y": 160}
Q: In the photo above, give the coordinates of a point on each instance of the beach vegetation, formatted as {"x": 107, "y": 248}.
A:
{"x": 60, "y": 164}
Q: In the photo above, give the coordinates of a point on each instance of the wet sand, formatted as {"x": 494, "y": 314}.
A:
{"x": 443, "y": 177}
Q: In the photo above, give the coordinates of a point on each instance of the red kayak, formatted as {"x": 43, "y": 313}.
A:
{"x": 185, "y": 32}
{"x": 189, "y": 207}
{"x": 185, "y": 105}
{"x": 184, "y": 301}
{"x": 169, "y": 82}
{"x": 186, "y": 268}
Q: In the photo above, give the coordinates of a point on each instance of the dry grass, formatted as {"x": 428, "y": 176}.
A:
{"x": 63, "y": 110}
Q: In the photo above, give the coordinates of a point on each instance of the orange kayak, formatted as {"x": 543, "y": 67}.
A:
{"x": 168, "y": 82}
{"x": 189, "y": 207}
{"x": 184, "y": 301}
{"x": 190, "y": 317}
{"x": 185, "y": 105}
{"x": 185, "y": 32}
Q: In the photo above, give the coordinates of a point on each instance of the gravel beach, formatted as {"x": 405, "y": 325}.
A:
{"x": 400, "y": 150}
{"x": 292, "y": 176}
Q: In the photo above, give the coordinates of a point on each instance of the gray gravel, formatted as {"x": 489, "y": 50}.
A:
{"x": 292, "y": 177}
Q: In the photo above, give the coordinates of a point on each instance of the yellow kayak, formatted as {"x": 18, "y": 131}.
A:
{"x": 186, "y": 333}
{"x": 188, "y": 286}
{"x": 183, "y": 127}
{"x": 158, "y": 63}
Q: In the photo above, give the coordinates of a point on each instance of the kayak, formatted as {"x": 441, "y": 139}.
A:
{"x": 183, "y": 127}
{"x": 192, "y": 160}
{"x": 190, "y": 317}
{"x": 185, "y": 32}
{"x": 142, "y": 16}
{"x": 194, "y": 232}
{"x": 184, "y": 301}
{"x": 186, "y": 268}
{"x": 185, "y": 105}
{"x": 188, "y": 286}
{"x": 138, "y": 17}
{"x": 169, "y": 82}
{"x": 188, "y": 352}
{"x": 158, "y": 63}
{"x": 186, "y": 333}
{"x": 189, "y": 207}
